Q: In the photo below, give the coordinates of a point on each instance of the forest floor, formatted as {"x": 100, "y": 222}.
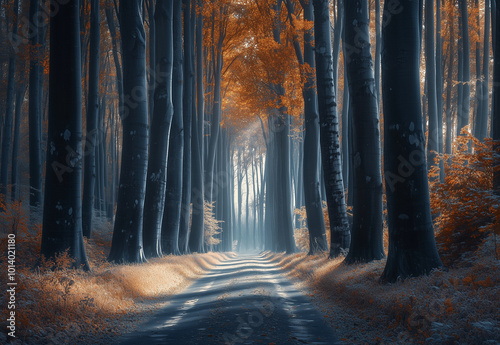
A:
{"x": 66, "y": 306}
{"x": 460, "y": 305}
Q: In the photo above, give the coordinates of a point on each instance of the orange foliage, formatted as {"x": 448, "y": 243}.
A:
{"x": 465, "y": 205}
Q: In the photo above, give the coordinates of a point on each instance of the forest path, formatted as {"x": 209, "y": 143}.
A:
{"x": 244, "y": 300}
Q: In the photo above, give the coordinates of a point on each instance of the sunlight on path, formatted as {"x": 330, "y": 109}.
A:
{"x": 244, "y": 300}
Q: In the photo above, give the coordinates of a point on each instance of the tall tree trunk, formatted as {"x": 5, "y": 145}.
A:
{"x": 449, "y": 84}
{"x": 21, "y": 90}
{"x": 9, "y": 114}
{"x": 314, "y": 209}
{"x": 329, "y": 131}
{"x": 482, "y": 123}
{"x": 439, "y": 87}
{"x": 495, "y": 109}
{"x": 92, "y": 137}
{"x": 367, "y": 231}
{"x": 127, "y": 245}
{"x": 430, "y": 76}
{"x": 35, "y": 110}
{"x": 466, "y": 62}
{"x": 173, "y": 192}
{"x": 62, "y": 214}
{"x": 196, "y": 238}
{"x": 188, "y": 100}
{"x": 114, "y": 41}
{"x": 152, "y": 58}
{"x": 154, "y": 203}
{"x": 378, "y": 47}
{"x": 412, "y": 248}
{"x": 217, "y": 112}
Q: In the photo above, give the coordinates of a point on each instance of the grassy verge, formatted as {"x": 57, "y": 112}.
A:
{"x": 70, "y": 306}
{"x": 458, "y": 306}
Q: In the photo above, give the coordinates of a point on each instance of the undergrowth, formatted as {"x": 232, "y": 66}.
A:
{"x": 446, "y": 307}
{"x": 55, "y": 303}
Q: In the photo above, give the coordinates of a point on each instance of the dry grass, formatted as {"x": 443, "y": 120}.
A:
{"x": 63, "y": 305}
{"x": 447, "y": 307}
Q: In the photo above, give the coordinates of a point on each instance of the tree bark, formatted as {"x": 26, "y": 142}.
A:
{"x": 62, "y": 214}
{"x": 464, "y": 15}
{"x": 188, "y": 100}
{"x": 127, "y": 244}
{"x": 412, "y": 248}
{"x": 430, "y": 76}
{"x": 173, "y": 192}
{"x": 312, "y": 196}
{"x": 329, "y": 132}
{"x": 92, "y": 137}
{"x": 367, "y": 231}
{"x": 21, "y": 90}
{"x": 197, "y": 238}
{"x": 35, "y": 110}
{"x": 154, "y": 203}
{"x": 495, "y": 112}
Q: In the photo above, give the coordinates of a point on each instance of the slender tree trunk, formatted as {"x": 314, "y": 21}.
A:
{"x": 216, "y": 116}
{"x": 430, "y": 76}
{"x": 92, "y": 137}
{"x": 152, "y": 58}
{"x": 449, "y": 85}
{"x": 412, "y": 248}
{"x": 114, "y": 41}
{"x": 466, "y": 63}
{"x": 163, "y": 110}
{"x": 127, "y": 244}
{"x": 9, "y": 115}
{"x": 35, "y": 110}
{"x": 329, "y": 133}
{"x": 439, "y": 87}
{"x": 21, "y": 90}
{"x": 173, "y": 193}
{"x": 495, "y": 111}
{"x": 314, "y": 209}
{"x": 345, "y": 132}
{"x": 378, "y": 48}
{"x": 196, "y": 238}
{"x": 482, "y": 123}
{"x": 367, "y": 231}
{"x": 62, "y": 214}
{"x": 188, "y": 100}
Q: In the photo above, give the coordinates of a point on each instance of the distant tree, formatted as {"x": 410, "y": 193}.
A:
{"x": 163, "y": 111}
{"x": 412, "y": 247}
{"x": 329, "y": 131}
{"x": 62, "y": 213}
{"x": 127, "y": 244}
{"x": 366, "y": 234}
{"x": 92, "y": 136}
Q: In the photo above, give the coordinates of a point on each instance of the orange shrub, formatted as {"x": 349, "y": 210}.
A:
{"x": 465, "y": 206}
